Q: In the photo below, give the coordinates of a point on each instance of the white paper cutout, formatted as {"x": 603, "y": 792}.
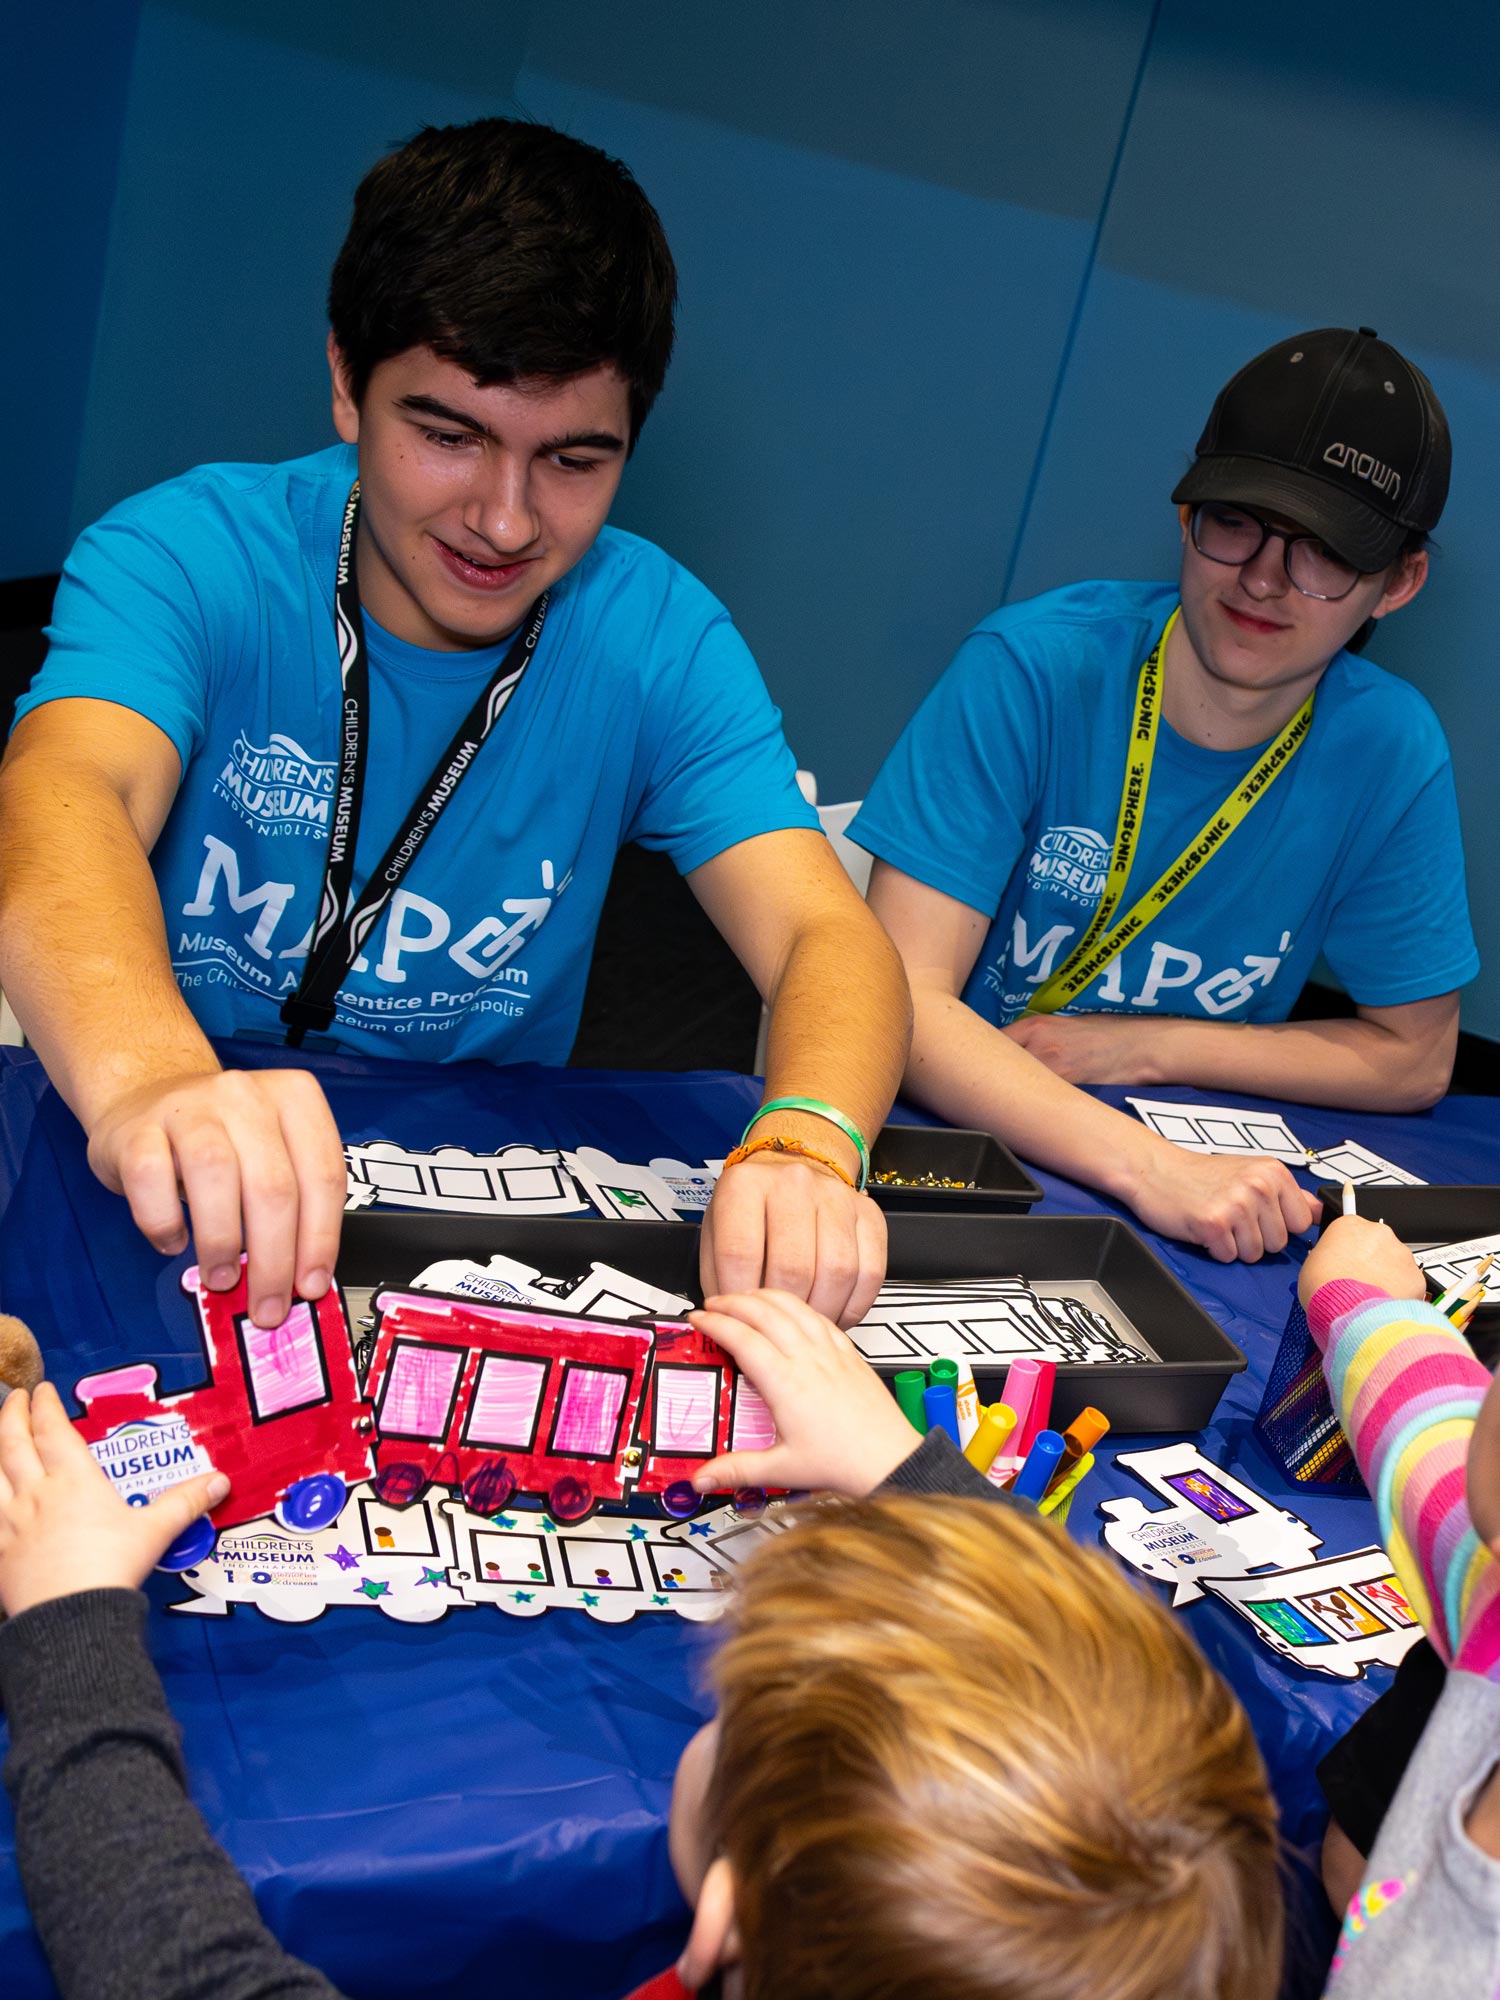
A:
{"x": 1213, "y": 1526}
{"x": 415, "y": 1564}
{"x": 692, "y": 1187}
{"x": 503, "y": 1281}
{"x": 990, "y": 1319}
{"x": 621, "y": 1192}
{"x": 1220, "y": 1128}
{"x": 1336, "y": 1617}
{"x": 1350, "y": 1161}
{"x": 517, "y": 1180}
{"x": 1449, "y": 1264}
{"x": 610, "y": 1294}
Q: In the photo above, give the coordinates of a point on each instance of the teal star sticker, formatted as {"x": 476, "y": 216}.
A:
{"x": 523, "y": 1596}
{"x": 549, "y": 1526}
{"x": 661, "y": 1600}
{"x": 373, "y": 1589}
{"x": 638, "y": 1533}
{"x": 505, "y": 1520}
{"x": 429, "y": 1576}
{"x": 590, "y": 1596}
{"x": 700, "y": 1527}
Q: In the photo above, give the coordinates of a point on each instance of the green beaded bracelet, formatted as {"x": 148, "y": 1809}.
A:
{"x": 818, "y": 1109}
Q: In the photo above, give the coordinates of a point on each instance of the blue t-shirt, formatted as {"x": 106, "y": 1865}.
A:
{"x": 206, "y": 605}
{"x": 1004, "y": 792}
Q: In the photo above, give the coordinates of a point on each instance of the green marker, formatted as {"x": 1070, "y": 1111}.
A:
{"x": 910, "y": 1383}
{"x": 941, "y": 1371}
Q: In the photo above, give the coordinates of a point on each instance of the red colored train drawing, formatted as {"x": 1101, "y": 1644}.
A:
{"x": 497, "y": 1401}
{"x": 281, "y": 1412}
{"x": 500, "y": 1400}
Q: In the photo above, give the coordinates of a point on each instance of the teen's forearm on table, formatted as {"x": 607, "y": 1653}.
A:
{"x": 970, "y": 1074}
{"x": 1354, "y": 1065}
{"x": 83, "y": 949}
{"x": 840, "y": 1026}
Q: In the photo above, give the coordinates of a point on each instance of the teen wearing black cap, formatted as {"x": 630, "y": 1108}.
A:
{"x": 1117, "y": 835}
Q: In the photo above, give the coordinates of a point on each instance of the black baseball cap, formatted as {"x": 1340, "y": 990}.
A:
{"x": 1336, "y": 431}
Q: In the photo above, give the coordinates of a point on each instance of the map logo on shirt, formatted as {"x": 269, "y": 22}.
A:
{"x": 277, "y": 785}
{"x": 1070, "y": 861}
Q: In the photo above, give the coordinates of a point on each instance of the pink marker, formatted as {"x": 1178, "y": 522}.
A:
{"x": 1028, "y": 1391}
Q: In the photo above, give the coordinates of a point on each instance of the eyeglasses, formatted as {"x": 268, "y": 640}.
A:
{"x": 1233, "y": 535}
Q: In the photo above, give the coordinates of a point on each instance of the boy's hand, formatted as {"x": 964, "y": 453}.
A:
{"x": 1369, "y": 1253}
{"x": 837, "y": 1425}
{"x": 63, "y": 1527}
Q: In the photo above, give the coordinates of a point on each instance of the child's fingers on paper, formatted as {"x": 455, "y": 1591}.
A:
{"x": 175, "y": 1510}
{"x": 18, "y": 1453}
{"x": 746, "y": 1345}
{"x": 787, "y": 1321}
{"x": 59, "y": 1447}
{"x": 742, "y": 1468}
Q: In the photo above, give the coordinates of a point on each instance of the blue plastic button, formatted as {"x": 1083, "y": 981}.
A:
{"x": 191, "y": 1547}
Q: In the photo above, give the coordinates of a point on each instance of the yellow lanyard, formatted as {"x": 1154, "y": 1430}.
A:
{"x": 1094, "y": 950}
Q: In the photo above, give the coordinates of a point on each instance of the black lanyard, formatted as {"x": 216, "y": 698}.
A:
{"x": 342, "y": 926}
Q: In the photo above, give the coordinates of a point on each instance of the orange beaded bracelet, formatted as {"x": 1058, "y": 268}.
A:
{"x": 789, "y": 1146}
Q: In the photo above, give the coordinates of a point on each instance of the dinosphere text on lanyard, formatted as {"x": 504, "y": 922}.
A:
{"x": 1100, "y": 943}
{"x": 343, "y": 925}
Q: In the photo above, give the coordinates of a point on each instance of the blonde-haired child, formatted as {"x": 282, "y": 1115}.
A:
{"x": 955, "y": 1756}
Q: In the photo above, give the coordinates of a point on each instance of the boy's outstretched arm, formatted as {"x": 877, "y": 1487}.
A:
{"x": 130, "y": 1894}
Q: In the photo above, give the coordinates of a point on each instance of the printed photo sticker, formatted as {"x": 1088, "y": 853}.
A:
{"x": 1337, "y": 1617}
{"x": 1209, "y": 1495}
{"x": 1220, "y": 1128}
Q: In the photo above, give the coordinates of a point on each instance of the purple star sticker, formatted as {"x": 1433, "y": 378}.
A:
{"x": 342, "y": 1557}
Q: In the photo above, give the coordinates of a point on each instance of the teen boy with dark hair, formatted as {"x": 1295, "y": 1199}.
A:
{"x": 278, "y": 683}
{"x": 1280, "y": 798}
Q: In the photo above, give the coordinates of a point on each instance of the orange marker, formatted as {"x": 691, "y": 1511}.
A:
{"x": 1079, "y": 1440}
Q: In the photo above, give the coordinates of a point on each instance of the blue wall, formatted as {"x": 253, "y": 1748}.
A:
{"x": 959, "y": 282}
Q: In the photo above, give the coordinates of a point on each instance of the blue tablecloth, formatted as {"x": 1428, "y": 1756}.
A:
{"x": 480, "y": 1803}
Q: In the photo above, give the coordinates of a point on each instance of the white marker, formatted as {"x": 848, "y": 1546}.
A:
{"x": 1350, "y": 1207}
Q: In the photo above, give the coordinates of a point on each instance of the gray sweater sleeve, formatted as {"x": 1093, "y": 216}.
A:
{"x": 938, "y": 1466}
{"x": 130, "y": 1894}
{"x": 1427, "y": 1916}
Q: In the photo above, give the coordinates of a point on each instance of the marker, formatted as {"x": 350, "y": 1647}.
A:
{"x": 1351, "y": 1207}
{"x": 942, "y": 1408}
{"x": 909, "y": 1385}
{"x": 1054, "y": 1503}
{"x": 1036, "y": 1418}
{"x": 988, "y": 1441}
{"x": 1465, "y": 1302}
{"x": 1019, "y": 1393}
{"x": 1463, "y": 1313}
{"x": 1041, "y": 1463}
{"x": 1079, "y": 1440}
{"x": 960, "y": 1378}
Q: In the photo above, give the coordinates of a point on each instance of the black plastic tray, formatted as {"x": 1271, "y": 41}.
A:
{"x": 1178, "y": 1393}
{"x": 1002, "y": 1185}
{"x": 1434, "y": 1215}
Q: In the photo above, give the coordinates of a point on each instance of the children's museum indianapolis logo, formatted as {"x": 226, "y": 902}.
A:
{"x": 1071, "y": 861}
{"x": 277, "y": 784}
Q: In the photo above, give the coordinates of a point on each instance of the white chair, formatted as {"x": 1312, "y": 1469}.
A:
{"x": 834, "y": 820}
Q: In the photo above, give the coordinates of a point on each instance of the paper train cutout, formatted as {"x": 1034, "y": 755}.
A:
{"x": 523, "y": 1180}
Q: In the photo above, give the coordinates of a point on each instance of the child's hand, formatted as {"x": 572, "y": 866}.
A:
{"x": 1352, "y": 1247}
{"x": 837, "y": 1425}
{"x": 63, "y": 1527}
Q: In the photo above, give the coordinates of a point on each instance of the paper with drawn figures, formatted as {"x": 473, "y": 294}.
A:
{"x": 993, "y": 1319}
{"x": 525, "y": 1180}
{"x": 1213, "y": 1525}
{"x": 1351, "y": 1161}
{"x": 418, "y": 1563}
{"x": 1337, "y": 1617}
{"x": 1221, "y": 1128}
{"x": 1449, "y": 1264}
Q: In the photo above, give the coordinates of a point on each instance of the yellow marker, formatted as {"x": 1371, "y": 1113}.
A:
{"x": 995, "y": 1426}
{"x": 1055, "y": 1502}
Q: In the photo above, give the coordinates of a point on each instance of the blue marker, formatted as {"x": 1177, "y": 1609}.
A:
{"x": 1041, "y": 1462}
{"x": 941, "y": 1405}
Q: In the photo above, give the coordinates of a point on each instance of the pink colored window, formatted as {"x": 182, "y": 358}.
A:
{"x": 588, "y": 1412}
{"x": 419, "y": 1389}
{"x": 284, "y": 1363}
{"x": 505, "y": 1401}
{"x": 687, "y": 1405}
